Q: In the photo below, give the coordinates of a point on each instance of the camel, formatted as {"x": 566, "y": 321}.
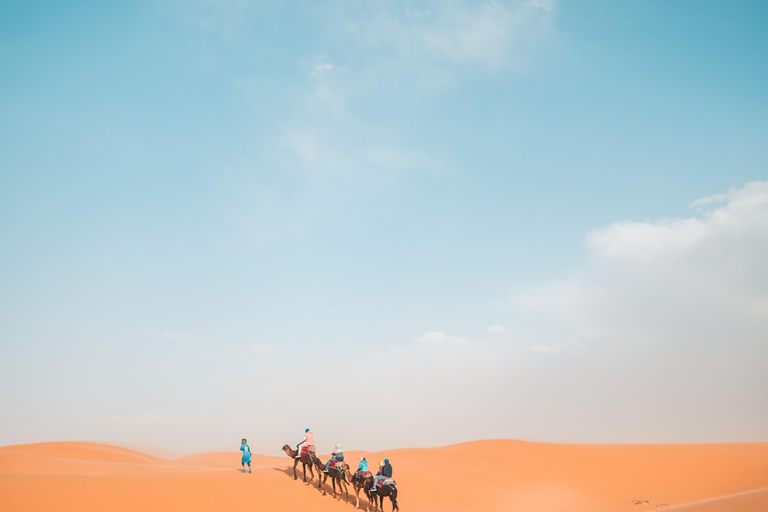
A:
{"x": 336, "y": 474}
{"x": 365, "y": 483}
{"x": 306, "y": 460}
{"x": 381, "y": 492}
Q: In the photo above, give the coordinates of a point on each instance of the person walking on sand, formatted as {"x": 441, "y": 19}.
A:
{"x": 308, "y": 441}
{"x": 246, "y": 455}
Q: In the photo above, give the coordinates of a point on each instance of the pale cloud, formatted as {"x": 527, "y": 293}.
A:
{"x": 415, "y": 13}
{"x": 569, "y": 344}
{"x": 176, "y": 335}
{"x": 182, "y": 339}
{"x": 436, "y": 349}
{"x": 496, "y": 329}
{"x": 704, "y": 201}
{"x": 482, "y": 37}
{"x": 431, "y": 341}
{"x": 331, "y": 140}
{"x": 545, "y": 5}
{"x": 259, "y": 348}
{"x": 320, "y": 69}
{"x": 462, "y": 33}
{"x": 143, "y": 418}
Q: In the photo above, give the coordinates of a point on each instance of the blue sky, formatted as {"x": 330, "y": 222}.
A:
{"x": 210, "y": 204}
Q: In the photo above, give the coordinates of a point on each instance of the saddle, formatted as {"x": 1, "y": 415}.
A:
{"x": 310, "y": 449}
{"x": 389, "y": 481}
{"x": 365, "y": 474}
{"x": 335, "y": 463}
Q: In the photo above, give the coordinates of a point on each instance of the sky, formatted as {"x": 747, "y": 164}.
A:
{"x": 396, "y": 223}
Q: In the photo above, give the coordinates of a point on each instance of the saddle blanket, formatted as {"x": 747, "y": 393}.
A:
{"x": 388, "y": 481}
{"x": 365, "y": 474}
{"x": 310, "y": 448}
{"x": 334, "y": 463}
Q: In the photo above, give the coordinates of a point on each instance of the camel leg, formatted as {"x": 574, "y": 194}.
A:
{"x": 295, "y": 463}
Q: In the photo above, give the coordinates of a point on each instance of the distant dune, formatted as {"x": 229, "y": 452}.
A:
{"x": 498, "y": 475}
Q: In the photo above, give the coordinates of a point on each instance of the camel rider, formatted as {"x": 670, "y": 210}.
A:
{"x": 362, "y": 466}
{"x": 308, "y": 441}
{"x": 385, "y": 471}
{"x": 338, "y": 455}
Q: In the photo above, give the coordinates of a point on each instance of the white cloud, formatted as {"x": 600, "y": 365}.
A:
{"x": 701, "y": 280}
{"x": 496, "y": 329}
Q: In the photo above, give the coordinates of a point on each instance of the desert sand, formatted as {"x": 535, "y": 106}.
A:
{"x": 501, "y": 475}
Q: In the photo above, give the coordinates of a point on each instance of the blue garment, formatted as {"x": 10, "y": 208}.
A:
{"x": 246, "y": 453}
{"x": 363, "y": 466}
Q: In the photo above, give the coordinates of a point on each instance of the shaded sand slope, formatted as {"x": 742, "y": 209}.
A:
{"x": 484, "y": 475}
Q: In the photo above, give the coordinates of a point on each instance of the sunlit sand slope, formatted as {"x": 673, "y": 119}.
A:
{"x": 741, "y": 502}
{"x": 483, "y": 475}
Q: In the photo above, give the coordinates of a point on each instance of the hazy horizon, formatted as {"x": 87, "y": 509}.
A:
{"x": 400, "y": 224}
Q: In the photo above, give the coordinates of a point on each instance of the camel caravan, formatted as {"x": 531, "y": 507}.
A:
{"x": 375, "y": 487}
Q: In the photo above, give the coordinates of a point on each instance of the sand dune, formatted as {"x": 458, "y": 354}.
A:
{"x": 741, "y": 502}
{"x": 484, "y": 475}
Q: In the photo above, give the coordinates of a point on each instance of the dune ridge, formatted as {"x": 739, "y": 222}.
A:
{"x": 492, "y": 475}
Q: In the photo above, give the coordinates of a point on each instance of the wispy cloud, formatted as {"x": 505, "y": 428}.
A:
{"x": 318, "y": 70}
{"x": 496, "y": 329}
{"x": 176, "y": 335}
{"x": 259, "y": 348}
{"x": 569, "y": 344}
{"x": 463, "y": 33}
{"x": 183, "y": 340}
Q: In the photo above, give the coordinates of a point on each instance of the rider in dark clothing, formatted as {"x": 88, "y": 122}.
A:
{"x": 386, "y": 471}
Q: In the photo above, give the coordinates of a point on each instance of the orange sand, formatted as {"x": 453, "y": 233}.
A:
{"x": 484, "y": 475}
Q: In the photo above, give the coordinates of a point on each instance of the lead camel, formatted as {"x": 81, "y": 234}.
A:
{"x": 306, "y": 459}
